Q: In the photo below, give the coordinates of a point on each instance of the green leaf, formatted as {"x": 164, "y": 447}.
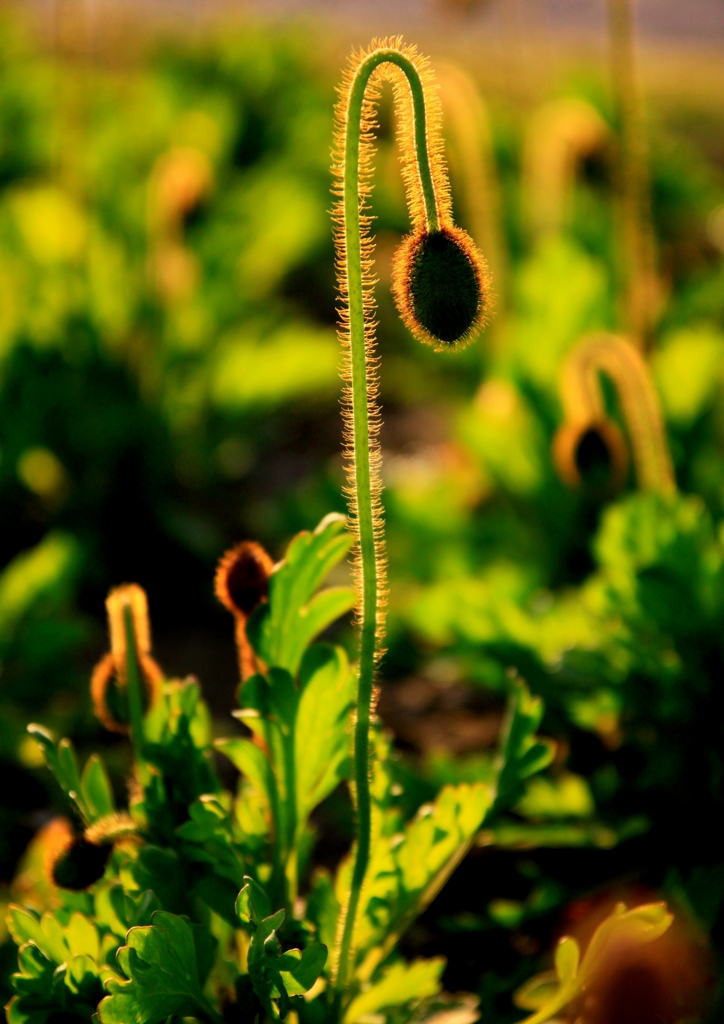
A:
{"x": 43, "y": 987}
{"x": 327, "y": 693}
{"x": 250, "y": 760}
{"x": 159, "y": 869}
{"x": 522, "y": 753}
{"x": 96, "y": 788}
{"x": 180, "y": 742}
{"x": 46, "y": 933}
{"x": 263, "y": 949}
{"x": 407, "y": 871}
{"x": 281, "y": 629}
{"x": 566, "y": 796}
{"x": 82, "y": 982}
{"x": 62, "y": 762}
{"x": 274, "y": 974}
{"x": 323, "y": 907}
{"x": 35, "y": 998}
{"x": 252, "y": 903}
{"x": 161, "y": 968}
{"x": 208, "y": 839}
{"x": 33, "y": 576}
{"x": 301, "y": 975}
{"x": 291, "y": 773}
{"x": 81, "y": 936}
{"x": 118, "y": 910}
{"x": 400, "y": 984}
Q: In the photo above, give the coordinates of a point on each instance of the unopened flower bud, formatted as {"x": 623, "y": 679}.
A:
{"x": 591, "y": 456}
{"x": 241, "y": 584}
{"x": 440, "y": 286}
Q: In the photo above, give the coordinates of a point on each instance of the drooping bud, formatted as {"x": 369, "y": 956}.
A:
{"x": 440, "y": 286}
{"x": 72, "y": 861}
{"x": 588, "y": 435}
{"x": 241, "y": 584}
{"x": 109, "y": 679}
{"x": 592, "y": 456}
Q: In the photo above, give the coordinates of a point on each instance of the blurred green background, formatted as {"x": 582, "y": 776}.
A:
{"x": 168, "y": 385}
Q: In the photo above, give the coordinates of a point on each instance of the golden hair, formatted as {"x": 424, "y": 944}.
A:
{"x": 112, "y": 666}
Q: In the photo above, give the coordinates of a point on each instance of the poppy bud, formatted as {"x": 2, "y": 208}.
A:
{"x": 440, "y": 286}
{"x": 73, "y": 862}
{"x": 108, "y": 682}
{"x": 592, "y": 456}
{"x": 588, "y": 436}
{"x": 241, "y": 584}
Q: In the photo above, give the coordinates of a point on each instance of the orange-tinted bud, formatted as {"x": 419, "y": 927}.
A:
{"x": 592, "y": 456}
{"x": 241, "y": 584}
{"x": 181, "y": 178}
{"x": 108, "y": 682}
{"x": 72, "y": 862}
{"x": 585, "y": 413}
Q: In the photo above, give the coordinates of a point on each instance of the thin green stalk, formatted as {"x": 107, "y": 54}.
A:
{"x": 133, "y": 687}
{"x": 290, "y": 797}
{"x": 362, "y": 377}
{"x": 637, "y": 241}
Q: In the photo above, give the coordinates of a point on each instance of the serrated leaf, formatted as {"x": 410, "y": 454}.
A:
{"x": 119, "y": 911}
{"x": 522, "y": 752}
{"x": 161, "y": 966}
{"x": 35, "y": 999}
{"x": 208, "y": 838}
{"x": 249, "y": 759}
{"x": 301, "y": 976}
{"x": 44, "y": 988}
{"x": 46, "y": 933}
{"x": 400, "y": 984}
{"x": 81, "y": 936}
{"x": 82, "y": 981}
{"x": 327, "y": 688}
{"x": 407, "y": 869}
{"x": 281, "y": 629}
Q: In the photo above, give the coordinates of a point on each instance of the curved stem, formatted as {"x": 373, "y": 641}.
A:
{"x": 361, "y": 387}
{"x": 583, "y": 402}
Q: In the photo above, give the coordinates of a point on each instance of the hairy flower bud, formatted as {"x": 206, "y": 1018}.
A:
{"x": 440, "y": 285}
{"x": 587, "y": 431}
{"x": 241, "y": 584}
{"x": 592, "y": 456}
{"x": 72, "y": 861}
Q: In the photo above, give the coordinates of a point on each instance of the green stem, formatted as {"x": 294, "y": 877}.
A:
{"x": 276, "y": 886}
{"x": 290, "y": 796}
{"x": 133, "y": 687}
{"x": 361, "y": 374}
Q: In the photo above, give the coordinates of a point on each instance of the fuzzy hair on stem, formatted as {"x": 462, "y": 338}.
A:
{"x": 428, "y": 197}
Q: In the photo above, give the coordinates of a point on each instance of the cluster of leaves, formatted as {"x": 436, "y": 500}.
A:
{"x": 208, "y": 903}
